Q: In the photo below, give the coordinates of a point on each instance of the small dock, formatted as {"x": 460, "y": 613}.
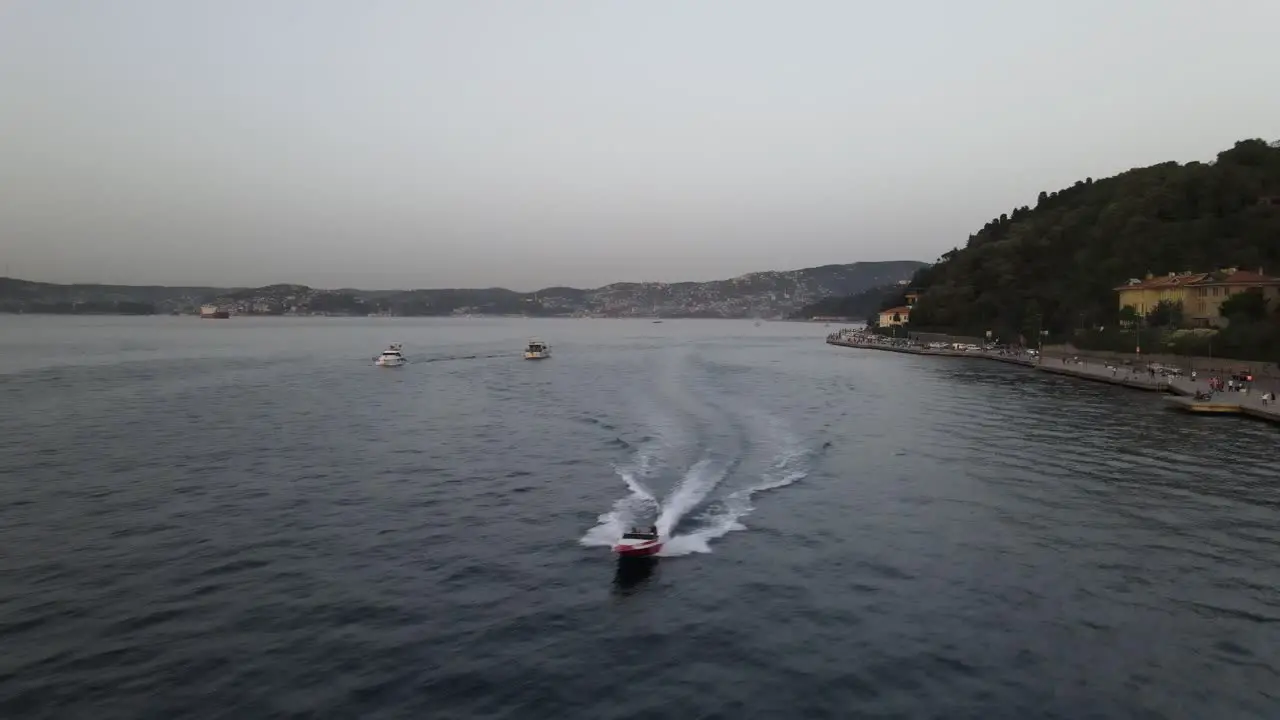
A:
{"x": 1248, "y": 404}
{"x": 1190, "y": 404}
{"x": 1228, "y": 403}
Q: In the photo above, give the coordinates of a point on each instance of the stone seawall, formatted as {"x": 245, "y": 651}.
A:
{"x": 1212, "y": 365}
{"x": 1185, "y": 390}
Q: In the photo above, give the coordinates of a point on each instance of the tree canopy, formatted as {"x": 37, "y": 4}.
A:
{"x": 1245, "y": 307}
{"x": 866, "y": 304}
{"x": 1055, "y": 266}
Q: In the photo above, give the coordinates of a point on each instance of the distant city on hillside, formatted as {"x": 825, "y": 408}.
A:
{"x": 769, "y": 294}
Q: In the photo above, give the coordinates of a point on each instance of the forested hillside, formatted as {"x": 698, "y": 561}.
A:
{"x": 858, "y": 306}
{"x": 1054, "y": 266}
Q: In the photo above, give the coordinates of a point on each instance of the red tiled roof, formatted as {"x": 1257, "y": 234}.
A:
{"x": 1235, "y": 277}
{"x": 1164, "y": 282}
{"x": 902, "y": 310}
{"x": 1239, "y": 277}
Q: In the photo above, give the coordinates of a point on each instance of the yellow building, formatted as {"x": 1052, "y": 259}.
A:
{"x": 1144, "y": 295}
{"x": 1205, "y": 297}
{"x": 895, "y": 316}
{"x": 1200, "y": 294}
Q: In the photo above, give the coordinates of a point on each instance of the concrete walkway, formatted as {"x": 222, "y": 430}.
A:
{"x": 1250, "y": 403}
{"x": 1184, "y": 388}
{"x": 1123, "y": 376}
{"x": 1023, "y": 360}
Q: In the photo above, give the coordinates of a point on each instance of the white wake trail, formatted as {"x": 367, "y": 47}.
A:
{"x": 610, "y": 526}
{"x": 683, "y": 531}
{"x": 722, "y": 518}
{"x": 701, "y": 479}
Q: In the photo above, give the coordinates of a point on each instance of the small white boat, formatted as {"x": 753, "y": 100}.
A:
{"x": 537, "y": 350}
{"x": 391, "y": 357}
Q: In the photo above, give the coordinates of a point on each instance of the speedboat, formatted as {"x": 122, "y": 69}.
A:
{"x": 391, "y": 357}
{"x": 537, "y": 350}
{"x": 638, "y": 543}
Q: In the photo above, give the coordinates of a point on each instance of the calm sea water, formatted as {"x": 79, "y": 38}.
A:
{"x": 245, "y": 519}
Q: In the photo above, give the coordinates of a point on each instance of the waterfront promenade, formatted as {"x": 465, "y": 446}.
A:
{"x": 1182, "y": 390}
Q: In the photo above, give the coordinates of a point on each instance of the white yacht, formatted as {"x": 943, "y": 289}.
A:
{"x": 537, "y": 350}
{"x": 391, "y": 357}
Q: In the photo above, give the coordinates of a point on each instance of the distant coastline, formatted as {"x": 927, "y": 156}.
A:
{"x": 195, "y": 315}
{"x": 762, "y": 295}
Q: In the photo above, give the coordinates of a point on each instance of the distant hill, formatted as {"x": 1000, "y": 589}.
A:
{"x": 858, "y": 307}
{"x": 1054, "y": 267}
{"x": 38, "y": 297}
{"x": 770, "y": 294}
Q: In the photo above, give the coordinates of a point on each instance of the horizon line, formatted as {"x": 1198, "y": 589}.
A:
{"x": 491, "y": 287}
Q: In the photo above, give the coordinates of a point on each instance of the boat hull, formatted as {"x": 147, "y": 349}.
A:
{"x": 390, "y": 363}
{"x": 536, "y": 356}
{"x": 638, "y": 550}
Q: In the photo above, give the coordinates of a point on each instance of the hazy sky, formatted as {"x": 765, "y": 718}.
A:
{"x": 525, "y": 144}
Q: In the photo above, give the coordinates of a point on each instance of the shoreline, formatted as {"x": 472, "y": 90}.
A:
{"x": 1179, "y": 392}
{"x": 410, "y": 317}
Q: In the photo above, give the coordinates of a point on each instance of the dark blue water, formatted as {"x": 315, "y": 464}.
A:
{"x": 245, "y": 519}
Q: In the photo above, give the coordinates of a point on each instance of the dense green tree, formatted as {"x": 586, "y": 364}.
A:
{"x": 1245, "y": 306}
{"x": 864, "y": 304}
{"x": 1066, "y": 256}
{"x": 1166, "y": 314}
{"x": 1128, "y": 316}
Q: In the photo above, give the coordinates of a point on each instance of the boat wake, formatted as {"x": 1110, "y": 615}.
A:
{"x": 692, "y": 489}
{"x": 723, "y": 517}
{"x": 719, "y": 450}
{"x": 452, "y": 358}
{"x": 686, "y": 532}
{"x": 640, "y": 501}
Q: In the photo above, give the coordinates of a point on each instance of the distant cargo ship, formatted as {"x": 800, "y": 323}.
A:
{"x": 212, "y": 311}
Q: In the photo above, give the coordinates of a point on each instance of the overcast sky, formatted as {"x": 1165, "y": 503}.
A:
{"x": 469, "y": 143}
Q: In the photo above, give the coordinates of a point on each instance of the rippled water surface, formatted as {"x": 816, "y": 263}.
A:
{"x": 244, "y": 518}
